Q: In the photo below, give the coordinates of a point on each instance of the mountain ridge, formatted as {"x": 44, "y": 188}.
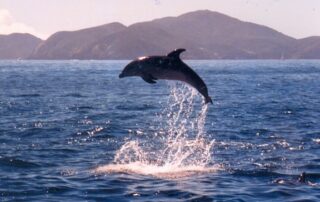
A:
{"x": 17, "y": 45}
{"x": 205, "y": 34}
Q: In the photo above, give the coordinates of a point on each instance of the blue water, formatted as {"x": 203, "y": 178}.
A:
{"x": 62, "y": 120}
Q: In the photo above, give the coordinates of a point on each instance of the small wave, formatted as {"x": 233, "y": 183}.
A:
{"x": 135, "y": 108}
{"x": 76, "y": 95}
{"x": 28, "y": 95}
{"x": 17, "y": 163}
{"x": 316, "y": 140}
{"x": 81, "y": 108}
{"x": 91, "y": 132}
{"x": 256, "y": 173}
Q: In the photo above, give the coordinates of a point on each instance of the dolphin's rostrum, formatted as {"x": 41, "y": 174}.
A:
{"x": 169, "y": 67}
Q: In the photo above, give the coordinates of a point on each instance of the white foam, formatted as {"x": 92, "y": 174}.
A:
{"x": 316, "y": 140}
{"x": 182, "y": 149}
{"x": 165, "y": 171}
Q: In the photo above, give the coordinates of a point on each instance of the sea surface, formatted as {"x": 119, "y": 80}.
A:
{"x": 74, "y": 131}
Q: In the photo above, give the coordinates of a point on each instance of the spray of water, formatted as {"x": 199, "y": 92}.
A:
{"x": 180, "y": 150}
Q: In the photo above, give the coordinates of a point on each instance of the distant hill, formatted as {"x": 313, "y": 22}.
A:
{"x": 16, "y": 46}
{"x": 307, "y": 48}
{"x": 212, "y": 35}
{"x": 81, "y": 44}
{"x": 205, "y": 34}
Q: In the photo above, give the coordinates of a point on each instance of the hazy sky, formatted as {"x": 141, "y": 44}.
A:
{"x": 297, "y": 18}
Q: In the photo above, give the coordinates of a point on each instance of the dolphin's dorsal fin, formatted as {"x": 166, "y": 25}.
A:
{"x": 176, "y": 53}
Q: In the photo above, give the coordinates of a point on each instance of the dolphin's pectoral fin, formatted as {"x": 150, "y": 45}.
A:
{"x": 149, "y": 79}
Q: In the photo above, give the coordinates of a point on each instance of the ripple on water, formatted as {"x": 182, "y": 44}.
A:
{"x": 17, "y": 163}
{"x": 27, "y": 95}
{"x": 56, "y": 144}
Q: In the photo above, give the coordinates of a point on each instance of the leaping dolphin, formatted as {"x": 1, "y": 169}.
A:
{"x": 169, "y": 67}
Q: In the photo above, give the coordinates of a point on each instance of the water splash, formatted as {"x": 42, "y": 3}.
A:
{"x": 181, "y": 149}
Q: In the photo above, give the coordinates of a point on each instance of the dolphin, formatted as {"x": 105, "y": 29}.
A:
{"x": 169, "y": 67}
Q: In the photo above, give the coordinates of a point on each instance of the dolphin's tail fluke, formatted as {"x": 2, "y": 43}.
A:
{"x": 207, "y": 100}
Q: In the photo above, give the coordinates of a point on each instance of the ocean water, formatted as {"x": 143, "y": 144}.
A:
{"x": 74, "y": 131}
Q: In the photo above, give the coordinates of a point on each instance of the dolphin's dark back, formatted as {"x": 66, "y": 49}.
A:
{"x": 196, "y": 81}
{"x": 190, "y": 76}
